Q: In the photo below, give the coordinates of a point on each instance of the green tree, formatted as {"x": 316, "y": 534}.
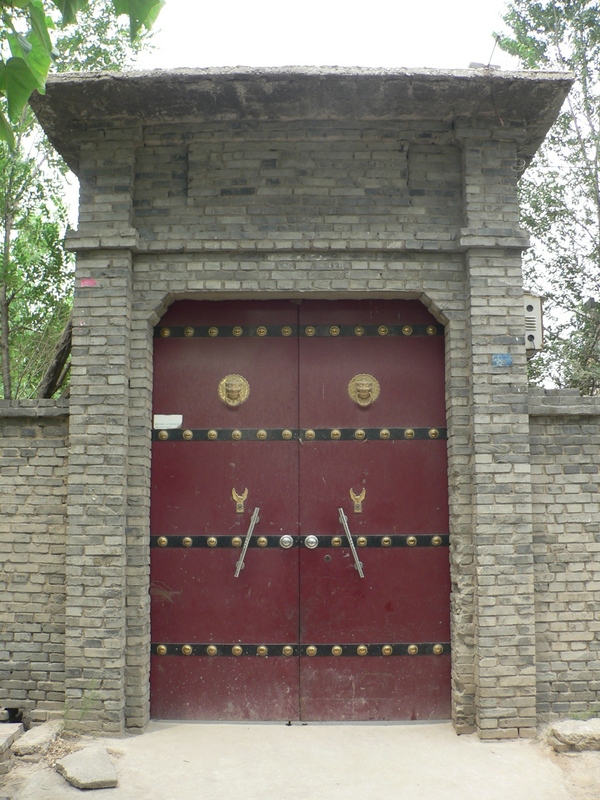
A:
{"x": 560, "y": 191}
{"x": 35, "y": 272}
{"x": 27, "y": 50}
{"x": 35, "y": 285}
{"x": 99, "y": 41}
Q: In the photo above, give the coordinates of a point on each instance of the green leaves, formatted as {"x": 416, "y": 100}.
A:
{"x": 560, "y": 192}
{"x": 28, "y": 67}
{"x": 25, "y": 24}
{"x": 36, "y": 275}
{"x": 6, "y": 131}
{"x": 35, "y": 272}
{"x": 69, "y": 9}
{"x": 17, "y": 82}
{"x": 141, "y": 13}
{"x": 39, "y": 25}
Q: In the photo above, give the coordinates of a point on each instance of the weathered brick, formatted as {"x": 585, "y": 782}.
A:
{"x": 287, "y": 208}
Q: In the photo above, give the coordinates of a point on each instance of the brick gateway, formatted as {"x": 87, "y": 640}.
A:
{"x": 302, "y": 184}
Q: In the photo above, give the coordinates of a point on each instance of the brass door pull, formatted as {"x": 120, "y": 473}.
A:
{"x": 357, "y": 499}
{"x": 357, "y": 563}
{"x": 240, "y": 564}
{"x": 239, "y": 499}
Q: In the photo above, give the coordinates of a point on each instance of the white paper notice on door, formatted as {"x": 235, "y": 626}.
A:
{"x": 167, "y": 422}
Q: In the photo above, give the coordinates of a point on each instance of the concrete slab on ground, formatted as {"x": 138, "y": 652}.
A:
{"x": 34, "y": 742}
{"x": 179, "y": 761}
{"x": 9, "y": 733}
{"x": 90, "y": 768}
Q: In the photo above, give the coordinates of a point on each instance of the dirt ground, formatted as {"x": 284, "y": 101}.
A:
{"x": 582, "y": 773}
{"x": 175, "y": 761}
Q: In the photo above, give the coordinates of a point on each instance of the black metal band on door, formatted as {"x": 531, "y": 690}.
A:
{"x": 213, "y": 650}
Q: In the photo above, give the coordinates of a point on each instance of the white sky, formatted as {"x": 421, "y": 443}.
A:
{"x": 380, "y": 33}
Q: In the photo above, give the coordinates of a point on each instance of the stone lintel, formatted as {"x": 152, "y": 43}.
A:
{"x": 75, "y": 102}
{"x": 472, "y": 240}
{"x": 108, "y": 239}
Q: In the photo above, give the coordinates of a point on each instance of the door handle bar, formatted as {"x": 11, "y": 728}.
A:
{"x": 357, "y": 563}
{"x": 240, "y": 564}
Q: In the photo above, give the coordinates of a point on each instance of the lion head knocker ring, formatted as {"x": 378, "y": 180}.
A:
{"x": 234, "y": 390}
{"x": 364, "y": 389}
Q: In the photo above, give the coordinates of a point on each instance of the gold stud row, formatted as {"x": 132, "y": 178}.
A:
{"x": 386, "y": 650}
{"x": 286, "y": 330}
{"x": 212, "y": 541}
{"x": 309, "y": 434}
{"x": 311, "y": 650}
{"x": 236, "y": 435}
{"x": 236, "y": 650}
{"x": 237, "y": 331}
{"x": 386, "y": 541}
{"x": 262, "y": 541}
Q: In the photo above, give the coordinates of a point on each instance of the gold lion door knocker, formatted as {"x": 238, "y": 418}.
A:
{"x": 364, "y": 389}
{"x": 234, "y": 390}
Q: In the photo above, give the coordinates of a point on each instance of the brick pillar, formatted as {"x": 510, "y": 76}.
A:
{"x": 505, "y": 674}
{"x": 96, "y": 587}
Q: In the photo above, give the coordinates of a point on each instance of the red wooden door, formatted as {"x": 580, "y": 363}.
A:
{"x": 341, "y": 397}
{"x": 209, "y": 627}
{"x": 379, "y": 643}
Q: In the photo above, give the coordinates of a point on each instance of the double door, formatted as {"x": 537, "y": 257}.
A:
{"x": 299, "y": 525}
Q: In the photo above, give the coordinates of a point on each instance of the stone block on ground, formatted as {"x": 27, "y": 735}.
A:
{"x": 34, "y": 743}
{"x": 572, "y": 734}
{"x": 88, "y": 769}
{"x": 9, "y": 733}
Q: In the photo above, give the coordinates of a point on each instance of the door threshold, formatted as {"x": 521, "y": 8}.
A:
{"x": 300, "y": 723}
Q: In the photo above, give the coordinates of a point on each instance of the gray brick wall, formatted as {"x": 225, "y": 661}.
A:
{"x": 564, "y": 444}
{"x": 499, "y": 478}
{"x": 565, "y": 463}
{"x": 288, "y": 183}
{"x": 244, "y": 204}
{"x": 97, "y": 587}
{"x": 392, "y": 227}
{"x": 33, "y": 504}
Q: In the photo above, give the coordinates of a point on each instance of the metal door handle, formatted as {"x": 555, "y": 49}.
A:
{"x": 357, "y": 563}
{"x": 240, "y": 564}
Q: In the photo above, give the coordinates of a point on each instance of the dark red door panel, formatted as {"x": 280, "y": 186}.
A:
{"x": 408, "y": 367}
{"x": 375, "y": 647}
{"x": 188, "y": 369}
{"x": 224, "y": 688}
{"x": 402, "y": 598}
{"x": 299, "y": 634}
{"x": 197, "y": 599}
{"x": 404, "y": 481}
{"x": 210, "y": 628}
{"x": 409, "y": 391}
{"x": 193, "y": 483}
{"x": 400, "y": 688}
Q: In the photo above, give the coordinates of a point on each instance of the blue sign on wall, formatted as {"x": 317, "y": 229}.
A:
{"x": 501, "y": 360}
